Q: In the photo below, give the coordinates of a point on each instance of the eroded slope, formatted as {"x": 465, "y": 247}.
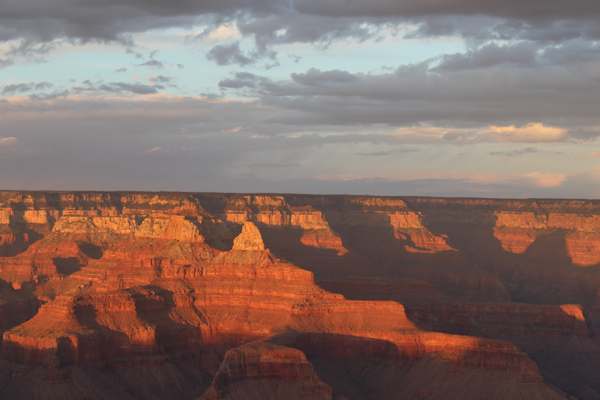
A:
{"x": 142, "y": 295}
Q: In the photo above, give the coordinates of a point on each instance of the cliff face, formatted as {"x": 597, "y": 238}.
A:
{"x": 215, "y": 296}
{"x": 275, "y": 211}
{"x": 516, "y": 231}
{"x": 264, "y": 371}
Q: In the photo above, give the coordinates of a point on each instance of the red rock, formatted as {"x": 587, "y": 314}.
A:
{"x": 584, "y": 247}
{"x": 525, "y": 321}
{"x": 249, "y": 239}
{"x": 516, "y": 231}
{"x": 164, "y": 282}
{"x": 264, "y": 371}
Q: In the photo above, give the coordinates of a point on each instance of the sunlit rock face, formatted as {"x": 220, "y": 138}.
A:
{"x": 276, "y": 212}
{"x": 516, "y": 231}
{"x": 214, "y": 296}
{"x": 249, "y": 238}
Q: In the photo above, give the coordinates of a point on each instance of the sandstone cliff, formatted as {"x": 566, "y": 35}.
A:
{"x": 264, "y": 371}
{"x": 518, "y": 230}
{"x": 290, "y": 296}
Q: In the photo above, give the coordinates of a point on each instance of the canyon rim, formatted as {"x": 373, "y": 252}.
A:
{"x": 128, "y": 295}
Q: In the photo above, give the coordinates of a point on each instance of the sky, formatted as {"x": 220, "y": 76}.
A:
{"x": 488, "y": 98}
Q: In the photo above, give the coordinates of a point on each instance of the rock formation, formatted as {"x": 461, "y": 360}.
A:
{"x": 264, "y": 371}
{"x": 518, "y": 230}
{"x": 249, "y": 238}
{"x": 210, "y": 296}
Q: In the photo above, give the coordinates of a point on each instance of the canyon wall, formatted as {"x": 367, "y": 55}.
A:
{"x": 221, "y": 296}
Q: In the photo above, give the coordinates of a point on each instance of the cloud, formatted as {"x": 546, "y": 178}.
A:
{"x": 242, "y": 80}
{"x": 529, "y": 75}
{"x": 531, "y": 10}
{"x": 108, "y": 20}
{"x": 234, "y": 130}
{"x": 491, "y": 54}
{"x": 18, "y": 88}
{"x": 90, "y": 88}
{"x": 546, "y": 180}
{"x": 230, "y": 54}
{"x": 25, "y": 49}
{"x": 77, "y": 151}
{"x": 522, "y": 54}
{"x": 385, "y": 153}
{"x": 125, "y": 87}
{"x": 152, "y": 64}
{"x": 273, "y": 22}
{"x": 269, "y": 165}
{"x": 8, "y": 141}
{"x": 497, "y": 33}
{"x": 534, "y": 132}
{"x": 153, "y": 150}
{"x": 222, "y": 32}
{"x": 494, "y": 105}
{"x": 315, "y": 77}
{"x": 161, "y": 79}
{"x": 516, "y": 152}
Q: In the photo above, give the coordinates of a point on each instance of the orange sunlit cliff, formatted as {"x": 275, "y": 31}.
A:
{"x": 224, "y": 296}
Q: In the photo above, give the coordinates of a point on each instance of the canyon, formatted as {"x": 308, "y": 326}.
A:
{"x": 136, "y": 295}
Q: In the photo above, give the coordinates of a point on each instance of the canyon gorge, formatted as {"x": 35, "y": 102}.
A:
{"x": 207, "y": 296}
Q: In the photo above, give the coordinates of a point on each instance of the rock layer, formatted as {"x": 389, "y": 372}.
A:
{"x": 225, "y": 296}
{"x": 516, "y": 231}
{"x": 266, "y": 371}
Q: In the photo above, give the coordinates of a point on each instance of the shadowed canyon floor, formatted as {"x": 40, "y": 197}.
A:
{"x": 225, "y": 296}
